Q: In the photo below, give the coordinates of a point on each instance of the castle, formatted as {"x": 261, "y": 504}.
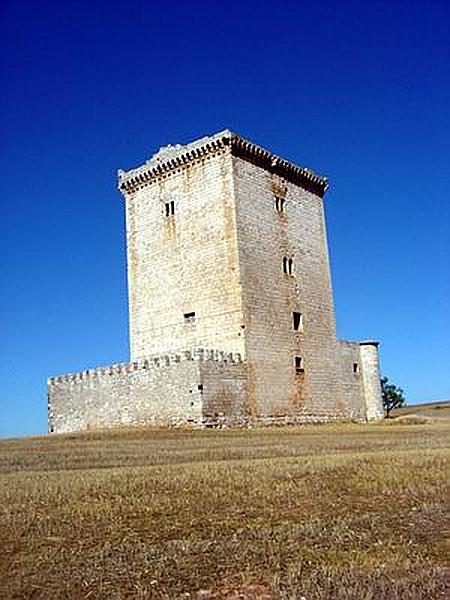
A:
{"x": 231, "y": 311}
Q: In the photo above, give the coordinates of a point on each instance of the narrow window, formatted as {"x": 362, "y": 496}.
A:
{"x": 200, "y": 387}
{"x": 170, "y": 208}
{"x": 279, "y": 204}
{"x": 290, "y": 266}
{"x": 189, "y": 317}
{"x": 297, "y": 321}
{"x": 355, "y": 368}
{"x": 299, "y": 368}
{"x": 285, "y": 265}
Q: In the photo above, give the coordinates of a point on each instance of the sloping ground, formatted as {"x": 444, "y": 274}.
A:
{"x": 434, "y": 410}
{"x": 342, "y": 512}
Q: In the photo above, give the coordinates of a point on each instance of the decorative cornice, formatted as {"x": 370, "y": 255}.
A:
{"x": 171, "y": 158}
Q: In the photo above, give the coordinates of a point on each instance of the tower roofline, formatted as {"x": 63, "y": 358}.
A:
{"x": 173, "y": 157}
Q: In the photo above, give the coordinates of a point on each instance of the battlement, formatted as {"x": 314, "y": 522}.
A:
{"x": 153, "y": 362}
{"x": 168, "y": 389}
{"x": 173, "y": 157}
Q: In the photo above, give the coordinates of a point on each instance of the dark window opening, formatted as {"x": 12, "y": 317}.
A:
{"x": 279, "y": 204}
{"x": 299, "y": 368}
{"x": 288, "y": 266}
{"x": 200, "y": 387}
{"x": 189, "y": 317}
{"x": 355, "y": 368}
{"x": 297, "y": 321}
{"x": 170, "y": 208}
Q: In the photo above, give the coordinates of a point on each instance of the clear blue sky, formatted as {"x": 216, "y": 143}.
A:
{"x": 359, "y": 91}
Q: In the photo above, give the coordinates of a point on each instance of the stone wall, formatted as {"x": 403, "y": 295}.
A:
{"x": 223, "y": 392}
{"x": 351, "y": 396}
{"x": 370, "y": 364}
{"x": 265, "y": 237}
{"x": 184, "y": 262}
{"x": 193, "y": 387}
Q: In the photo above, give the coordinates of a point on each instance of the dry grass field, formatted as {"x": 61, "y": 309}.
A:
{"x": 315, "y": 512}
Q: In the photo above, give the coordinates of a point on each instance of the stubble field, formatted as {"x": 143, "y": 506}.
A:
{"x": 314, "y": 512}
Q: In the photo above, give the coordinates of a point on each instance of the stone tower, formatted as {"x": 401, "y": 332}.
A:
{"x": 183, "y": 266}
{"x": 227, "y": 250}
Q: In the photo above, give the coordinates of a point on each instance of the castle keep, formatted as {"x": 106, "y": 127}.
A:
{"x": 231, "y": 311}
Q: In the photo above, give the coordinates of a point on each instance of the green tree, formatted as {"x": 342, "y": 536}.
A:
{"x": 392, "y": 396}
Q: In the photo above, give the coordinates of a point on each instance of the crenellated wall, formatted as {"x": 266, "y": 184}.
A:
{"x": 202, "y": 388}
{"x": 187, "y": 387}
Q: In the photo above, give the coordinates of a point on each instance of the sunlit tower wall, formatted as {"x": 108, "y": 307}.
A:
{"x": 183, "y": 271}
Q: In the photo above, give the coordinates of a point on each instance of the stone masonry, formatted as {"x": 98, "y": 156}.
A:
{"x": 227, "y": 249}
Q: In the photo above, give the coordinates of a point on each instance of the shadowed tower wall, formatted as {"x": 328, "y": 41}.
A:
{"x": 278, "y": 220}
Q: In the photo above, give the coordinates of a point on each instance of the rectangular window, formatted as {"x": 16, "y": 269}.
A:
{"x": 288, "y": 266}
{"x": 355, "y": 368}
{"x": 170, "y": 208}
{"x": 299, "y": 367}
{"x": 189, "y": 317}
{"x": 279, "y": 204}
{"x": 297, "y": 321}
